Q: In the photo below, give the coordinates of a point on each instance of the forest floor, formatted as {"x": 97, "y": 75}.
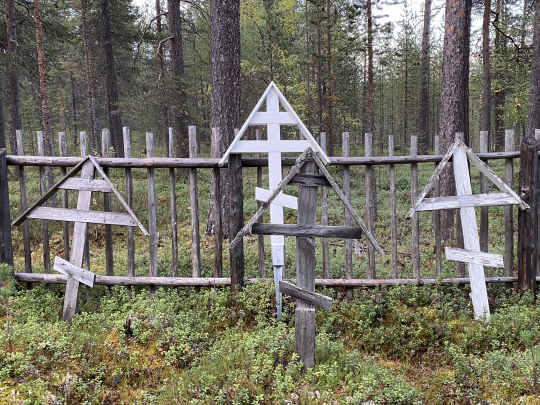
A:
{"x": 399, "y": 345}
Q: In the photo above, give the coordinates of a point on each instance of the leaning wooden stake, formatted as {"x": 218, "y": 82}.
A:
{"x": 527, "y": 219}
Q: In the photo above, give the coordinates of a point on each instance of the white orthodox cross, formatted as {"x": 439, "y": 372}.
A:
{"x": 273, "y": 118}
{"x": 466, "y": 201}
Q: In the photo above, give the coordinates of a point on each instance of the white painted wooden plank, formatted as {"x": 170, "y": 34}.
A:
{"x": 92, "y": 217}
{"x": 81, "y": 275}
{"x": 496, "y": 180}
{"x": 75, "y": 183}
{"x": 470, "y": 234}
{"x": 469, "y": 256}
{"x": 474, "y": 200}
{"x": 264, "y": 118}
{"x": 270, "y": 146}
{"x": 287, "y": 201}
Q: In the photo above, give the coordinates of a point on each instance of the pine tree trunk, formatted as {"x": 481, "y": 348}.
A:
{"x": 423, "y": 114}
{"x": 176, "y": 52}
{"x": 13, "y": 75}
{"x": 329, "y": 97}
{"x": 45, "y": 115}
{"x": 371, "y": 91}
{"x": 90, "y": 85}
{"x": 2, "y": 124}
{"x": 533, "y": 121}
{"x": 486, "y": 67}
{"x": 225, "y": 78}
{"x": 74, "y": 117}
{"x": 499, "y": 97}
{"x": 115, "y": 119}
{"x": 454, "y": 93}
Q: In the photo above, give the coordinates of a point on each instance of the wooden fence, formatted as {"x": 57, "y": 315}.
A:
{"x": 195, "y": 164}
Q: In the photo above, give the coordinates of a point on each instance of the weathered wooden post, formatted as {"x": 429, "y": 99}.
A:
{"x": 527, "y": 219}
{"x": 236, "y": 199}
{"x": 6, "y": 247}
{"x": 304, "y": 321}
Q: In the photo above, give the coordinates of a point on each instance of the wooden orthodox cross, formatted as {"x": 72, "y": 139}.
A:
{"x": 86, "y": 184}
{"x": 305, "y": 174}
{"x": 273, "y": 118}
{"x": 466, "y": 201}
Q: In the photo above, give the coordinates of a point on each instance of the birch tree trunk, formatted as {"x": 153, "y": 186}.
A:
{"x": 454, "y": 93}
{"x": 225, "y": 79}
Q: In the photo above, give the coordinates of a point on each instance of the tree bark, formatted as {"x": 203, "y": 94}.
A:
{"x": 45, "y": 115}
{"x": 2, "y": 123}
{"x": 225, "y": 79}
{"x": 13, "y": 75}
{"x": 454, "y": 93}
{"x": 90, "y": 85}
{"x": 176, "y": 52}
{"x": 486, "y": 67}
{"x": 74, "y": 118}
{"x": 500, "y": 92}
{"x": 533, "y": 121}
{"x": 371, "y": 91}
{"x": 329, "y": 96}
{"x": 423, "y": 114}
{"x": 115, "y": 118}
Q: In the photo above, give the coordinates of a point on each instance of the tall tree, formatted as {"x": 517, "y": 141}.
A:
{"x": 115, "y": 119}
{"x": 454, "y": 92}
{"x": 225, "y": 79}
{"x": 13, "y": 80}
{"x": 423, "y": 114}
{"x": 176, "y": 51}
{"x": 533, "y": 121}
{"x": 486, "y": 69}
{"x": 499, "y": 97}
{"x": 2, "y": 124}
{"x": 44, "y": 95}
{"x": 90, "y": 85}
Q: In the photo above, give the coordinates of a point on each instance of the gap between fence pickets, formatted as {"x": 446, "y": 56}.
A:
{"x": 475, "y": 257}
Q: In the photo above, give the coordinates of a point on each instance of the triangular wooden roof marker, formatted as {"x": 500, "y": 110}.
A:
{"x": 507, "y": 197}
{"x": 295, "y": 169}
{"x": 63, "y": 180}
{"x": 289, "y": 117}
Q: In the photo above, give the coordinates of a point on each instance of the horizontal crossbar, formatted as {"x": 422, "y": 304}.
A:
{"x": 75, "y": 183}
{"x": 469, "y": 256}
{"x": 474, "y": 200}
{"x": 342, "y": 232}
{"x": 308, "y": 296}
{"x": 92, "y": 217}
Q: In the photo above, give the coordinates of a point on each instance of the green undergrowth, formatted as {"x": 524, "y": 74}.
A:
{"x": 402, "y": 345}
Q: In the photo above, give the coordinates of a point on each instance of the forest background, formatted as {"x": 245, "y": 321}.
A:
{"x": 100, "y": 64}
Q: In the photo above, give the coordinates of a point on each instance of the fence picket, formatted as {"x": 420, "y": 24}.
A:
{"x": 509, "y": 209}
{"x": 24, "y": 206}
{"x": 370, "y": 205}
{"x": 347, "y": 215}
{"x": 129, "y": 200}
{"x": 44, "y": 222}
{"x": 260, "y": 238}
{"x": 484, "y": 211}
{"x": 109, "y": 260}
{"x": 393, "y": 219}
{"x": 437, "y": 217}
{"x": 152, "y": 225}
{"x": 174, "y": 220}
{"x": 324, "y": 220}
{"x": 194, "y": 199}
{"x": 62, "y": 146}
{"x": 415, "y": 220}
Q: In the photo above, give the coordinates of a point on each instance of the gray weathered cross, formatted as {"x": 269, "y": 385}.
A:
{"x": 466, "y": 201}
{"x": 86, "y": 184}
{"x": 304, "y": 174}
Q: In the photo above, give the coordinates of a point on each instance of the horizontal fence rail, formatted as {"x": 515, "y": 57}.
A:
{"x": 410, "y": 247}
